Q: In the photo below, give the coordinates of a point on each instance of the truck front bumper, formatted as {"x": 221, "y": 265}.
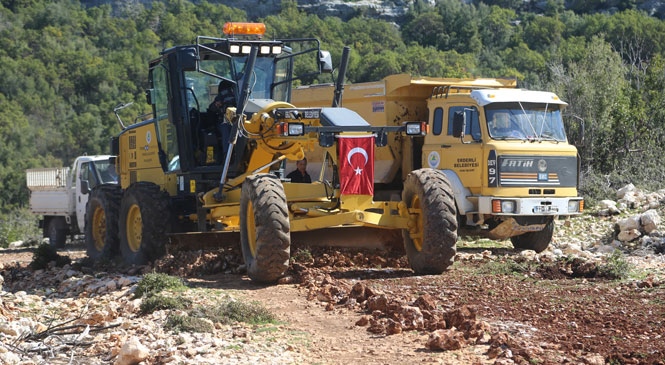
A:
{"x": 511, "y": 206}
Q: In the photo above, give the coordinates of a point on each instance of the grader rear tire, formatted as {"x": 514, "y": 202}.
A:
{"x": 264, "y": 228}
{"x": 537, "y": 241}
{"x": 101, "y": 222}
{"x": 432, "y": 235}
{"x": 145, "y": 220}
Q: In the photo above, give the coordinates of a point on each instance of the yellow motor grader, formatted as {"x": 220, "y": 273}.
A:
{"x": 210, "y": 160}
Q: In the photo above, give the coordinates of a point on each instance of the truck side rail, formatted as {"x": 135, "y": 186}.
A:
{"x": 47, "y": 178}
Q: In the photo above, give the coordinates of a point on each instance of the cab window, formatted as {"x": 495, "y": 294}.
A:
{"x": 472, "y": 122}
{"x": 438, "y": 121}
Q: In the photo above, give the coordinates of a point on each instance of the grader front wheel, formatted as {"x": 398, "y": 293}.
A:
{"x": 264, "y": 228}
{"x": 432, "y": 234}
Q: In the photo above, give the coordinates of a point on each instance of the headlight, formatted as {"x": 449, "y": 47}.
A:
{"x": 413, "y": 129}
{"x": 508, "y": 206}
{"x": 294, "y": 129}
{"x": 575, "y": 206}
{"x": 234, "y": 48}
{"x": 416, "y": 128}
{"x": 503, "y": 206}
{"x": 265, "y": 50}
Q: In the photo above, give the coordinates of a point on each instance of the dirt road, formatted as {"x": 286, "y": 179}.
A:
{"x": 340, "y": 306}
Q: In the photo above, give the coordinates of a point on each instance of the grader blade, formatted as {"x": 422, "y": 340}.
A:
{"x": 193, "y": 241}
{"x": 351, "y": 237}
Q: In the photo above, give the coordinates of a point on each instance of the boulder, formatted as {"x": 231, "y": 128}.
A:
{"x": 629, "y": 223}
{"x": 628, "y": 235}
{"x": 621, "y": 193}
{"x": 132, "y": 352}
{"x": 445, "y": 340}
{"x": 650, "y": 221}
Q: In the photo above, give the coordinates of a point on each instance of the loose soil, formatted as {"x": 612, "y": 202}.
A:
{"x": 342, "y": 306}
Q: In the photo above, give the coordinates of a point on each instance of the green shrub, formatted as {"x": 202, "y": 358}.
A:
{"x": 44, "y": 254}
{"x": 160, "y": 302}
{"x": 178, "y": 323}
{"x": 302, "y": 256}
{"x": 156, "y": 282}
{"x": 20, "y": 225}
{"x": 616, "y": 266}
{"x": 237, "y": 311}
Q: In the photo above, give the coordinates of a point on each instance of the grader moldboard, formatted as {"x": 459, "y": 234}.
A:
{"x": 190, "y": 171}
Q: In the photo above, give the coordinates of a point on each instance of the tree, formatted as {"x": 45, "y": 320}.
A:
{"x": 595, "y": 89}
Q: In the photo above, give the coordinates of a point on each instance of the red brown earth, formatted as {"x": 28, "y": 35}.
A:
{"x": 492, "y": 306}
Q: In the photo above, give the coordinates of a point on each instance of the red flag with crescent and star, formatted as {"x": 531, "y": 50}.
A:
{"x": 356, "y": 165}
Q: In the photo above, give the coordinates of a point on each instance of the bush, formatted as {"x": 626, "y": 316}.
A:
{"x": 160, "y": 302}
{"x": 20, "y": 225}
{"x": 46, "y": 254}
{"x": 178, "y": 323}
{"x": 616, "y": 266}
{"x": 236, "y": 311}
{"x": 156, "y": 282}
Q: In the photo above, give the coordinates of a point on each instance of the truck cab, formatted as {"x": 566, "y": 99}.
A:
{"x": 506, "y": 153}
{"x": 60, "y": 194}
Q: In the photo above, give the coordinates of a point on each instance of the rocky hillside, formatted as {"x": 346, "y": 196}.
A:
{"x": 390, "y": 10}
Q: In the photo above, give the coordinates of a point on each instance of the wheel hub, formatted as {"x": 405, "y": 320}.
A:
{"x": 99, "y": 228}
{"x": 134, "y": 228}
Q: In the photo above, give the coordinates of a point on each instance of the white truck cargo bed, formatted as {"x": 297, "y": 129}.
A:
{"x": 49, "y": 192}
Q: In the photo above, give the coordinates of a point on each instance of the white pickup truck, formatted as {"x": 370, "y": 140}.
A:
{"x": 60, "y": 194}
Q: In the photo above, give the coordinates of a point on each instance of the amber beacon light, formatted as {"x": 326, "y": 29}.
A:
{"x": 244, "y": 29}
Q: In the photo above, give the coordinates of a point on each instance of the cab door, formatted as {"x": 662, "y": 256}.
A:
{"x": 85, "y": 173}
{"x": 445, "y": 152}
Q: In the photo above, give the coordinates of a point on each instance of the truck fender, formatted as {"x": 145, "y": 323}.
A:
{"x": 460, "y": 193}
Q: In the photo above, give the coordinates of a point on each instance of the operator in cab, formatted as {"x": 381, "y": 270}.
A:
{"x": 300, "y": 175}
{"x": 502, "y": 127}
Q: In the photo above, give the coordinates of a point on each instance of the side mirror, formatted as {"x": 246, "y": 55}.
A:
{"x": 188, "y": 58}
{"x": 85, "y": 187}
{"x": 325, "y": 62}
{"x": 148, "y": 96}
{"x": 459, "y": 124}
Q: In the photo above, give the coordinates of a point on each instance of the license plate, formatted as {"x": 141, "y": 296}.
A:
{"x": 545, "y": 209}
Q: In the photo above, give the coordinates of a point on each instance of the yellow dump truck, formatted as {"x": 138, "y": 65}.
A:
{"x": 503, "y": 149}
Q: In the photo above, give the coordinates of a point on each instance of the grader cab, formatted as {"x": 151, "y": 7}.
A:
{"x": 211, "y": 159}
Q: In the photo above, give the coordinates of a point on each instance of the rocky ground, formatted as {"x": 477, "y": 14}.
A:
{"x": 339, "y": 306}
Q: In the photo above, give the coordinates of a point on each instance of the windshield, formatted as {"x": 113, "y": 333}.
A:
{"x": 106, "y": 170}
{"x": 266, "y": 71}
{"x": 525, "y": 121}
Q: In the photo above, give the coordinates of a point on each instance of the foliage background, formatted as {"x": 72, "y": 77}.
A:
{"x": 65, "y": 66}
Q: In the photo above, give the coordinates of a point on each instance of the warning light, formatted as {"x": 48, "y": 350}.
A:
{"x": 244, "y": 29}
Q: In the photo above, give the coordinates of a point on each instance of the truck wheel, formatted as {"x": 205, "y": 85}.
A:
{"x": 145, "y": 220}
{"x": 537, "y": 241}
{"x": 56, "y": 232}
{"x": 264, "y": 228}
{"x": 101, "y": 222}
{"x": 432, "y": 234}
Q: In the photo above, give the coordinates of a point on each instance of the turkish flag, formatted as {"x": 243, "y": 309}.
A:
{"x": 356, "y": 164}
